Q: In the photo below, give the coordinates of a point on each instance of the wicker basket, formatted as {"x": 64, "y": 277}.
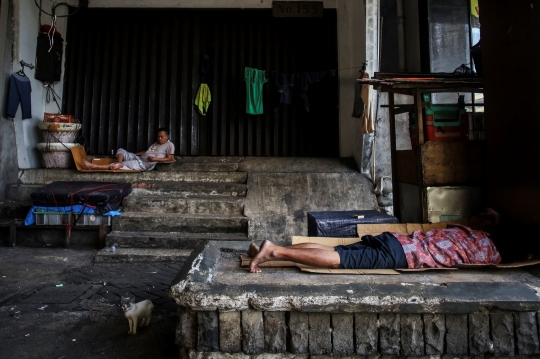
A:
{"x": 59, "y": 132}
{"x": 58, "y": 160}
{"x": 61, "y": 137}
{"x": 57, "y": 155}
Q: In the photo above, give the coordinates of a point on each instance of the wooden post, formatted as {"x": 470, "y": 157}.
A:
{"x": 12, "y": 235}
{"x": 419, "y": 116}
{"x": 68, "y": 238}
{"x": 101, "y": 236}
{"x": 419, "y": 164}
{"x": 395, "y": 185}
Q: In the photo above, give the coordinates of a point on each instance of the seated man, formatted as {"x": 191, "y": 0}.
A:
{"x": 160, "y": 151}
{"x": 436, "y": 248}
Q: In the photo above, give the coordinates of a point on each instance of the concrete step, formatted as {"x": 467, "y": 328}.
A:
{"x": 199, "y": 167}
{"x": 140, "y": 255}
{"x": 194, "y": 205}
{"x": 173, "y": 222}
{"x": 14, "y": 209}
{"x": 209, "y": 159}
{"x": 188, "y": 189}
{"x": 45, "y": 176}
{"x": 19, "y": 192}
{"x": 168, "y": 239}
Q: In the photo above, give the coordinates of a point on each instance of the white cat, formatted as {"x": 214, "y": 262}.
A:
{"x": 135, "y": 311}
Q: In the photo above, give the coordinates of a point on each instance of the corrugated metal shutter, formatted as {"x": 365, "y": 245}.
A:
{"x": 130, "y": 71}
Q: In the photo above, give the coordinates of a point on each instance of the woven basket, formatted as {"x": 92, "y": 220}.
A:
{"x": 58, "y": 160}
{"x": 59, "y": 132}
{"x": 63, "y": 137}
{"x": 57, "y": 155}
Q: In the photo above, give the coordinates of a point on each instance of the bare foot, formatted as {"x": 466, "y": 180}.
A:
{"x": 253, "y": 250}
{"x": 116, "y": 165}
{"x": 87, "y": 165}
{"x": 264, "y": 255}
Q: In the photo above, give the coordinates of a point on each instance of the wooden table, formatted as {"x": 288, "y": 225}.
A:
{"x": 415, "y": 85}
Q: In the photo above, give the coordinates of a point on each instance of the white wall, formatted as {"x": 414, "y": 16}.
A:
{"x": 26, "y": 28}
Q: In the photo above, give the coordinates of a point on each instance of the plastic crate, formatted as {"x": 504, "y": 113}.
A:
{"x": 445, "y": 133}
{"x": 59, "y": 219}
{"x": 445, "y": 115}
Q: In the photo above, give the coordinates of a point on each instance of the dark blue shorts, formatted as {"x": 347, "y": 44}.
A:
{"x": 373, "y": 252}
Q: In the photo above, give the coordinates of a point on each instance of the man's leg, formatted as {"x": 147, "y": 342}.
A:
{"x": 315, "y": 257}
{"x": 90, "y": 166}
{"x": 254, "y": 249}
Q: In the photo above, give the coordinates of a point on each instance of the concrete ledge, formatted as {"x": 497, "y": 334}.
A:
{"x": 225, "y": 312}
{"x": 140, "y": 255}
{"x": 45, "y": 176}
{"x": 213, "y": 280}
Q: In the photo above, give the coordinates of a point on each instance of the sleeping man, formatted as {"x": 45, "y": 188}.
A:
{"x": 436, "y": 248}
{"x": 160, "y": 151}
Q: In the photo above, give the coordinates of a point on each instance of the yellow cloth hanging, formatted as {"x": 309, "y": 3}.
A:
{"x": 202, "y": 101}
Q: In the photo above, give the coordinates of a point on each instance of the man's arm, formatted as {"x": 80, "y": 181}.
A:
{"x": 169, "y": 158}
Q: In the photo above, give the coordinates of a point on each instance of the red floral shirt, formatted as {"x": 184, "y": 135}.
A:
{"x": 456, "y": 244}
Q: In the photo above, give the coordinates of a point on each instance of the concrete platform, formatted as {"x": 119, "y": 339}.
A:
{"x": 224, "y": 308}
{"x": 140, "y": 255}
{"x": 217, "y": 282}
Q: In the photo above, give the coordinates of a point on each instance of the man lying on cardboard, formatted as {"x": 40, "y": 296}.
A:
{"x": 436, "y": 248}
{"x": 160, "y": 151}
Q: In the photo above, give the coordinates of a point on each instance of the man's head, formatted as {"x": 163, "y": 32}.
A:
{"x": 162, "y": 135}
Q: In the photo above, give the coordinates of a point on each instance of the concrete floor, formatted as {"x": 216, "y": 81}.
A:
{"x": 81, "y": 318}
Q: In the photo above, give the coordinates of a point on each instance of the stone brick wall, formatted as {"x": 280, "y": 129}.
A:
{"x": 251, "y": 333}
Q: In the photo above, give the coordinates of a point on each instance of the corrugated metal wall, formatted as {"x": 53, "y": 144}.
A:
{"x": 129, "y": 72}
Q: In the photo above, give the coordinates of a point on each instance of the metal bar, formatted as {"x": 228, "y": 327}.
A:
{"x": 194, "y": 133}
{"x": 114, "y": 131}
{"x": 184, "y": 99}
{"x": 419, "y": 116}
{"x": 153, "y": 98}
{"x": 105, "y": 93}
{"x": 164, "y": 76}
{"x": 173, "y": 108}
{"x": 234, "y": 86}
{"x": 250, "y": 118}
{"x": 224, "y": 89}
{"x": 123, "y": 131}
{"x": 242, "y": 116}
{"x": 134, "y": 73}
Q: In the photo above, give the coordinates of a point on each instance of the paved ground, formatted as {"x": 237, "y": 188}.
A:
{"x": 55, "y": 303}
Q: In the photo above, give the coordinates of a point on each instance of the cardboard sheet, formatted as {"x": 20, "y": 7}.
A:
{"x": 79, "y": 154}
{"x": 328, "y": 241}
{"x": 347, "y": 271}
{"x": 308, "y": 269}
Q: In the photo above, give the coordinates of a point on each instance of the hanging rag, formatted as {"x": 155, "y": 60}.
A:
{"x": 368, "y": 125}
{"x": 288, "y": 88}
{"x": 19, "y": 92}
{"x": 308, "y": 78}
{"x": 255, "y": 79}
{"x": 203, "y": 98}
{"x": 358, "y": 107}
